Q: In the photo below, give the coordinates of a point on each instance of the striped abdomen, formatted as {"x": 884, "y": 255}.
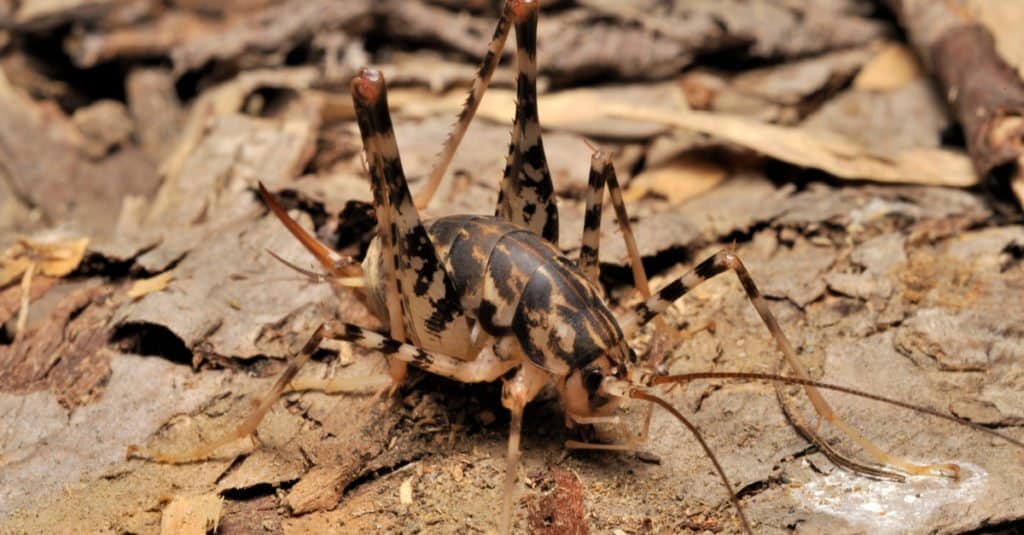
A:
{"x": 515, "y": 283}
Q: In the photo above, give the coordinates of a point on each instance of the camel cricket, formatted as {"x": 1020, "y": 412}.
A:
{"x": 479, "y": 298}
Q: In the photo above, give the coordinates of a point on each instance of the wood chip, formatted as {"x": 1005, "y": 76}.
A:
{"x": 53, "y": 258}
{"x": 191, "y": 515}
{"x": 155, "y": 283}
{"x": 405, "y": 491}
{"x": 893, "y": 67}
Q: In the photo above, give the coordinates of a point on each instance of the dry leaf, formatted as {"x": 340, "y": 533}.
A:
{"x": 685, "y": 176}
{"x": 52, "y": 258}
{"x": 12, "y": 267}
{"x": 577, "y": 110}
{"x": 893, "y": 67}
{"x": 820, "y": 150}
{"x": 191, "y": 515}
{"x": 156, "y": 283}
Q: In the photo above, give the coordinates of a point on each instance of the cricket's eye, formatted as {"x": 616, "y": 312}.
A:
{"x": 592, "y": 380}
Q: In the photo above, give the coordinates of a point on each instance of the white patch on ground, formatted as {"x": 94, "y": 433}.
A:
{"x": 888, "y": 507}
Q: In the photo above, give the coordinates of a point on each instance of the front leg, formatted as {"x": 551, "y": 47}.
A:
{"x": 488, "y": 366}
{"x": 515, "y": 394}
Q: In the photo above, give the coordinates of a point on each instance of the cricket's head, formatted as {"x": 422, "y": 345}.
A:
{"x": 599, "y": 387}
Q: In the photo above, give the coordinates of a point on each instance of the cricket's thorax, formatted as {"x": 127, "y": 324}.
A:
{"x": 515, "y": 283}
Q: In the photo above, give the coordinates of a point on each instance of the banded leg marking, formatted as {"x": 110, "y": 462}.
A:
{"x": 602, "y": 173}
{"x": 725, "y": 261}
{"x": 527, "y": 194}
{"x": 429, "y": 304}
{"x": 487, "y": 367}
{"x": 590, "y": 243}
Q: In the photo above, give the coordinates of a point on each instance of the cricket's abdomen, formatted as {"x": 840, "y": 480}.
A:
{"x": 515, "y": 283}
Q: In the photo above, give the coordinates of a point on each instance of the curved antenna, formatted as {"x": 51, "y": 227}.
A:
{"x": 750, "y": 376}
{"x": 638, "y": 394}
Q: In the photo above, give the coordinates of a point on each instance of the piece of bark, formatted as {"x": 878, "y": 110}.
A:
{"x": 48, "y": 449}
{"x": 986, "y": 94}
{"x": 273, "y": 32}
{"x": 41, "y": 15}
{"x": 419, "y": 21}
{"x": 152, "y": 38}
{"x": 323, "y": 485}
{"x": 229, "y": 298}
{"x": 765, "y": 29}
{"x": 155, "y": 108}
{"x": 41, "y": 159}
{"x": 877, "y": 120}
{"x": 796, "y": 82}
{"x": 65, "y": 351}
{"x": 576, "y": 45}
{"x": 209, "y": 175}
{"x": 1004, "y": 20}
{"x": 104, "y": 125}
{"x": 262, "y": 37}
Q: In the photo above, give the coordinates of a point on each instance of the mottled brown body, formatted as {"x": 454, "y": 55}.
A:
{"x": 511, "y": 282}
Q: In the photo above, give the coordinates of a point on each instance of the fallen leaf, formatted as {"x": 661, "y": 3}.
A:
{"x": 576, "y": 110}
{"x": 156, "y": 283}
{"x": 57, "y": 259}
{"x": 51, "y": 258}
{"x": 893, "y": 67}
{"x": 686, "y": 176}
{"x": 191, "y": 515}
{"x": 820, "y": 150}
{"x": 54, "y": 258}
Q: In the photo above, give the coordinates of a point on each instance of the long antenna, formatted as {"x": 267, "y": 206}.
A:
{"x": 686, "y": 377}
{"x": 638, "y": 394}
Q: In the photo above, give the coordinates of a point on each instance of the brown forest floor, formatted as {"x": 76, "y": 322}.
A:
{"x": 143, "y": 128}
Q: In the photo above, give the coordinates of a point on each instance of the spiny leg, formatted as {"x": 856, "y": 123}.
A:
{"x": 473, "y": 99}
{"x": 336, "y": 265}
{"x": 429, "y": 305}
{"x": 590, "y": 243}
{"x": 527, "y": 194}
{"x": 726, "y": 261}
{"x": 515, "y": 394}
{"x": 248, "y": 426}
{"x": 488, "y": 366}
